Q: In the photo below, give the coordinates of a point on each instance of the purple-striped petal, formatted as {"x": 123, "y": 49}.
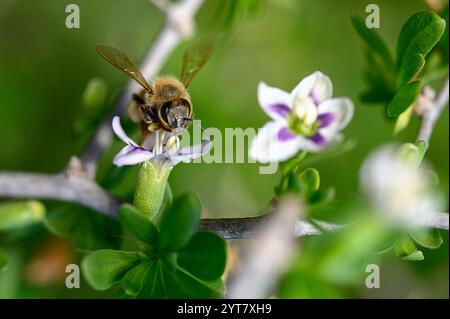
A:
{"x": 342, "y": 110}
{"x": 318, "y": 139}
{"x": 118, "y": 130}
{"x": 326, "y": 119}
{"x": 275, "y": 102}
{"x": 132, "y": 155}
{"x": 186, "y": 154}
{"x": 280, "y": 109}
{"x": 314, "y": 98}
{"x": 284, "y": 134}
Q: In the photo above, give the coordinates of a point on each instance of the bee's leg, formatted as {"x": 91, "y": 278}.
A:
{"x": 149, "y": 121}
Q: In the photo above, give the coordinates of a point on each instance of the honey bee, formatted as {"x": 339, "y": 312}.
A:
{"x": 165, "y": 103}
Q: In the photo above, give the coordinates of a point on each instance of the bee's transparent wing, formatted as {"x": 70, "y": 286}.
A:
{"x": 195, "y": 57}
{"x": 121, "y": 61}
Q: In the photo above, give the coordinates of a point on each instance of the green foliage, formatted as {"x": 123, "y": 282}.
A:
{"x": 138, "y": 225}
{"x": 15, "y": 215}
{"x": 178, "y": 262}
{"x": 236, "y": 10}
{"x": 389, "y": 80}
{"x": 341, "y": 262}
{"x": 373, "y": 40}
{"x": 428, "y": 238}
{"x": 403, "y": 99}
{"x": 87, "y": 230}
{"x": 179, "y": 222}
{"x": 412, "y": 153}
{"x": 3, "y": 260}
{"x": 103, "y": 268}
{"x": 407, "y": 251}
{"x": 418, "y": 36}
{"x": 94, "y": 95}
{"x": 204, "y": 256}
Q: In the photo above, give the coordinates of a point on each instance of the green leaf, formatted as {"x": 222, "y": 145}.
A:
{"x": 20, "y": 214}
{"x": 138, "y": 225}
{"x": 180, "y": 284}
{"x": 418, "y": 36}
{"x": 403, "y": 120}
{"x": 404, "y": 98}
{"x": 411, "y": 154}
{"x": 150, "y": 190}
{"x": 293, "y": 163}
{"x": 204, "y": 256}
{"x": 154, "y": 285}
{"x": 416, "y": 62}
{"x": 428, "y": 238}
{"x": 164, "y": 281}
{"x": 178, "y": 223}
{"x": 373, "y": 39}
{"x": 309, "y": 181}
{"x": 86, "y": 229}
{"x": 407, "y": 251}
{"x": 94, "y": 94}
{"x": 298, "y": 284}
{"x": 136, "y": 279}
{"x": 3, "y": 260}
{"x": 103, "y": 268}
{"x": 414, "y": 256}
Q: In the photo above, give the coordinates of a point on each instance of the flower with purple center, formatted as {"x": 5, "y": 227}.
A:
{"x": 306, "y": 119}
{"x": 159, "y": 147}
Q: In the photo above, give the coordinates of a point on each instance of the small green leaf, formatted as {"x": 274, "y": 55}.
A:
{"x": 204, "y": 256}
{"x": 94, "y": 94}
{"x": 309, "y": 181}
{"x": 138, "y": 225}
{"x": 178, "y": 223}
{"x": 3, "y": 260}
{"x": 136, "y": 279}
{"x": 418, "y": 36}
{"x": 428, "y": 238}
{"x": 411, "y": 154}
{"x": 181, "y": 284}
{"x": 164, "y": 281}
{"x": 403, "y": 99}
{"x": 373, "y": 39}
{"x": 414, "y": 256}
{"x": 403, "y": 120}
{"x": 20, "y": 214}
{"x": 86, "y": 229}
{"x": 103, "y": 268}
{"x": 154, "y": 285}
{"x": 407, "y": 251}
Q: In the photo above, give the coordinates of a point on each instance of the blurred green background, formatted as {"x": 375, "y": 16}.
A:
{"x": 45, "y": 68}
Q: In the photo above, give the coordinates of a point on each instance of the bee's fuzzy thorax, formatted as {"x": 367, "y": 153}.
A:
{"x": 166, "y": 87}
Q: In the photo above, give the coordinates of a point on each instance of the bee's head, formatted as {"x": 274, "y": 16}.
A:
{"x": 177, "y": 114}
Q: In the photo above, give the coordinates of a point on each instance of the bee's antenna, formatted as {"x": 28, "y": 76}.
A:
{"x": 196, "y": 124}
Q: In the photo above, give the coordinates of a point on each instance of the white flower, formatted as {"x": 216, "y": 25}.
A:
{"x": 158, "y": 147}
{"x": 306, "y": 119}
{"x": 398, "y": 191}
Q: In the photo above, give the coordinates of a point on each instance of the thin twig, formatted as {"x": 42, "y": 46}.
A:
{"x": 78, "y": 188}
{"x": 431, "y": 116}
{"x": 62, "y": 187}
{"x": 179, "y": 26}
